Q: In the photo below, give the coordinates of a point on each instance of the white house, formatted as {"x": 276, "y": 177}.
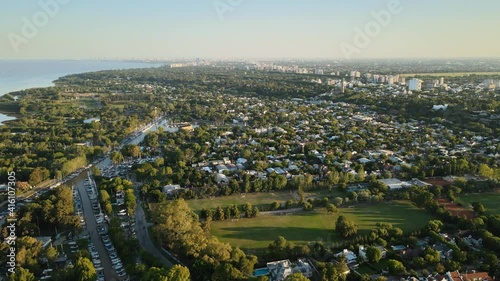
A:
{"x": 350, "y": 256}
{"x": 169, "y": 188}
{"x": 280, "y": 270}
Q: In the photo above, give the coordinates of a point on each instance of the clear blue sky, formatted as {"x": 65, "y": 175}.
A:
{"x": 251, "y": 29}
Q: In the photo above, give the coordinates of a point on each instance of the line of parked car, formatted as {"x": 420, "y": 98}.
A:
{"x": 96, "y": 260}
{"x": 116, "y": 262}
{"x": 102, "y": 230}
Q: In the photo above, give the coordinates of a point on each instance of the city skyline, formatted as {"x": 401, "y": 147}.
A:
{"x": 248, "y": 29}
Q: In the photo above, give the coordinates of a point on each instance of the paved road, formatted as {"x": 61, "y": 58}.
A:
{"x": 142, "y": 231}
{"x": 91, "y": 223}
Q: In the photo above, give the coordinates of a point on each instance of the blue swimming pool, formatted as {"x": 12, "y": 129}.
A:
{"x": 260, "y": 272}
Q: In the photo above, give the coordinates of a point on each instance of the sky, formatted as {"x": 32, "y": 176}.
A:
{"x": 253, "y": 29}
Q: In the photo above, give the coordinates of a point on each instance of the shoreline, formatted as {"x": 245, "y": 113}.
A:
{"x": 60, "y": 68}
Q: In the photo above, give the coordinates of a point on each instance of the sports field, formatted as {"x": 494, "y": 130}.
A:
{"x": 303, "y": 227}
{"x": 490, "y": 201}
{"x": 262, "y": 199}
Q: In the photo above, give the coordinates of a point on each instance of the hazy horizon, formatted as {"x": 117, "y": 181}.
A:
{"x": 248, "y": 29}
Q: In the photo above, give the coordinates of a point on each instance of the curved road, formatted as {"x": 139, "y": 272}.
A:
{"x": 141, "y": 227}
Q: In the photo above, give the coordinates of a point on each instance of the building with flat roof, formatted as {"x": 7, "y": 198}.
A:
{"x": 392, "y": 183}
{"x": 414, "y": 84}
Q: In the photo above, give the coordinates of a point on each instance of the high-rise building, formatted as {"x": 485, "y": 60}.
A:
{"x": 441, "y": 81}
{"x": 415, "y": 84}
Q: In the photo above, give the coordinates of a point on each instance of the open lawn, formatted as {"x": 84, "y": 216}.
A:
{"x": 490, "y": 200}
{"x": 257, "y": 199}
{"x": 262, "y": 200}
{"x": 304, "y": 227}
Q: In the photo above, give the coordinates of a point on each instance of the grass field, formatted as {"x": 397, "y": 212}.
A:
{"x": 261, "y": 200}
{"x": 450, "y": 74}
{"x": 303, "y": 227}
{"x": 490, "y": 200}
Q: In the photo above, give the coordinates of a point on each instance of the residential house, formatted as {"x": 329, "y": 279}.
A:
{"x": 221, "y": 168}
{"x": 46, "y": 241}
{"x": 171, "y": 188}
{"x": 350, "y": 257}
{"x": 473, "y": 242}
{"x": 221, "y": 178}
{"x": 468, "y": 276}
{"x": 280, "y": 270}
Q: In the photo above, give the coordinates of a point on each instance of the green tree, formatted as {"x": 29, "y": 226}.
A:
{"x": 85, "y": 270}
{"x": 227, "y": 272}
{"x": 178, "y": 273}
{"x": 178, "y": 227}
{"x": 345, "y": 227}
{"x": 104, "y": 195}
{"x": 396, "y": 267}
{"x": 275, "y": 205}
{"x": 331, "y": 209}
{"x": 334, "y": 272}
{"x": 478, "y": 207}
{"x": 22, "y": 274}
{"x": 373, "y": 254}
{"x": 485, "y": 171}
{"x": 296, "y": 277}
{"x": 155, "y": 274}
{"x": 434, "y": 225}
{"x": 130, "y": 201}
{"x": 116, "y": 157}
{"x": 51, "y": 254}
{"x": 38, "y": 175}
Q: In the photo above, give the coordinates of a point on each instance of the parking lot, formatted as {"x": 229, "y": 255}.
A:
{"x": 104, "y": 256}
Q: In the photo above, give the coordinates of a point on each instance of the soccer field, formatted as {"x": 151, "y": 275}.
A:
{"x": 303, "y": 227}
{"x": 490, "y": 200}
{"x": 261, "y": 200}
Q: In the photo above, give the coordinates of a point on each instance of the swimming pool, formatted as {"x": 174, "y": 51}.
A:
{"x": 260, "y": 272}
